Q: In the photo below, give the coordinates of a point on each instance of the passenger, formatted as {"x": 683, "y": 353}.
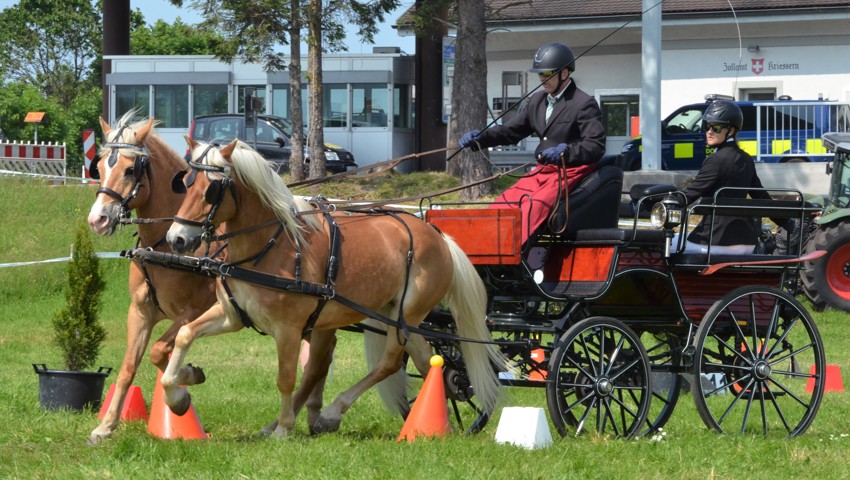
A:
{"x": 572, "y": 138}
{"x": 728, "y": 166}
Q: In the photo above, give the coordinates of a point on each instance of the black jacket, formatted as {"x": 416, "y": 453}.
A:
{"x": 576, "y": 120}
{"x": 729, "y": 166}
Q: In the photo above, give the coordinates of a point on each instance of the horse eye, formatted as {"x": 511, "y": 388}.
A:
{"x": 128, "y": 172}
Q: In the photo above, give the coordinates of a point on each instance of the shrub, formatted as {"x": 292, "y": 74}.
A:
{"x": 78, "y": 331}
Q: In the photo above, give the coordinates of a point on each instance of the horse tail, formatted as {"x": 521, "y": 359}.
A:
{"x": 393, "y": 389}
{"x": 467, "y": 300}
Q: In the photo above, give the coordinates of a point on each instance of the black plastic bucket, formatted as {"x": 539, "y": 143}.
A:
{"x": 63, "y": 389}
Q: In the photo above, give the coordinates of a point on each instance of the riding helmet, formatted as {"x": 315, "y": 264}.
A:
{"x": 553, "y": 56}
{"x": 724, "y": 112}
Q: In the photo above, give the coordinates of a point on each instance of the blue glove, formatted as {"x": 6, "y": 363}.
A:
{"x": 553, "y": 155}
{"x": 468, "y": 138}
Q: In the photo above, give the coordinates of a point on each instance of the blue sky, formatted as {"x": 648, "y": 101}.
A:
{"x": 162, "y": 9}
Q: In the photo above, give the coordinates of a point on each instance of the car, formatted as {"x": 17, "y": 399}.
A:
{"x": 778, "y": 131}
{"x": 273, "y": 139}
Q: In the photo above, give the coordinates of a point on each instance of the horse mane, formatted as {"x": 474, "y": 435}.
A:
{"x": 156, "y": 146}
{"x": 254, "y": 171}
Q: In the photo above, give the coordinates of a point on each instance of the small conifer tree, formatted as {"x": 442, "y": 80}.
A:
{"x": 77, "y": 330}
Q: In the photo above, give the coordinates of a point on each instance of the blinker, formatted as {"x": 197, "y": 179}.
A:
{"x": 215, "y": 192}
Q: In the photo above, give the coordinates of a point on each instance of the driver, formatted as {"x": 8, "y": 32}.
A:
{"x": 728, "y": 166}
{"x": 572, "y": 138}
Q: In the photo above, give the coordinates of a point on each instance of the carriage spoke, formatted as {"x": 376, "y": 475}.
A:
{"x": 778, "y": 408}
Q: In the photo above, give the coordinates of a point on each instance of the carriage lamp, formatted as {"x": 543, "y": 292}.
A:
{"x": 666, "y": 214}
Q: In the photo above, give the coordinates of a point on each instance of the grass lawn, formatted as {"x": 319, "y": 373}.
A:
{"x": 240, "y": 397}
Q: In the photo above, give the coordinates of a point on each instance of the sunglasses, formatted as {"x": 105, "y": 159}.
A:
{"x": 548, "y": 74}
{"x": 716, "y": 128}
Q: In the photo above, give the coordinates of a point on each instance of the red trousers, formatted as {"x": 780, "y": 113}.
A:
{"x": 537, "y": 193}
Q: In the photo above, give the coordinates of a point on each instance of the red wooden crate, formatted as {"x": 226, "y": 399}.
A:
{"x": 489, "y": 236}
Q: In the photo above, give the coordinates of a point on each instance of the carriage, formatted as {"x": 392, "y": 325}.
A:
{"x": 613, "y": 322}
{"x": 610, "y": 321}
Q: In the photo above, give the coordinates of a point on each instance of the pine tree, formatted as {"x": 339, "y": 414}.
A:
{"x": 77, "y": 330}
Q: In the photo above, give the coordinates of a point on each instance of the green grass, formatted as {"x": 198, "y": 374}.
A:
{"x": 240, "y": 397}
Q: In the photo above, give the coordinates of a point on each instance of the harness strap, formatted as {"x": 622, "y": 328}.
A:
{"x": 242, "y": 314}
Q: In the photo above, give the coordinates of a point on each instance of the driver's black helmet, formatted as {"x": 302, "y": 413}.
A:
{"x": 724, "y": 112}
{"x": 553, "y": 56}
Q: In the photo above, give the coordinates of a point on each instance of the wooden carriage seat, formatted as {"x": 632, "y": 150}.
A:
{"x": 594, "y": 203}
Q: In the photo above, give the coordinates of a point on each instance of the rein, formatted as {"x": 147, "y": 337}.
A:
{"x": 211, "y": 266}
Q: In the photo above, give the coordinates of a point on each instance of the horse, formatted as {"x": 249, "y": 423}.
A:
{"x": 336, "y": 269}
{"x": 135, "y": 168}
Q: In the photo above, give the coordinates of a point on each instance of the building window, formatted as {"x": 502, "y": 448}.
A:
{"x": 130, "y": 97}
{"x": 259, "y": 91}
{"x": 402, "y": 106}
{"x": 335, "y": 105}
{"x": 171, "y": 105}
{"x": 208, "y": 99}
{"x": 369, "y": 105}
{"x": 617, "y": 111}
{"x": 282, "y": 100}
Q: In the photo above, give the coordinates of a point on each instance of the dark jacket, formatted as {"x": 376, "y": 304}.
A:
{"x": 576, "y": 120}
{"x": 729, "y": 166}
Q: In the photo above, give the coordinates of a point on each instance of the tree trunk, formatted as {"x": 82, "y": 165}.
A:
{"x": 296, "y": 115}
{"x": 469, "y": 97}
{"x": 316, "y": 140}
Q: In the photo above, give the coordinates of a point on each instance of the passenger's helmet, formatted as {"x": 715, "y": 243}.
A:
{"x": 724, "y": 112}
{"x": 553, "y": 56}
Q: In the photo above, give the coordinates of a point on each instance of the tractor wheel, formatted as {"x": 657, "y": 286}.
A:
{"x": 826, "y": 281}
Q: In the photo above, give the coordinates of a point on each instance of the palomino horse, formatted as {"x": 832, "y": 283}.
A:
{"x": 135, "y": 169}
{"x": 388, "y": 265}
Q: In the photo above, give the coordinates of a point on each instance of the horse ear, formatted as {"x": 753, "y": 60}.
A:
{"x": 227, "y": 151}
{"x": 144, "y": 131}
{"x": 192, "y": 144}
{"x": 104, "y": 126}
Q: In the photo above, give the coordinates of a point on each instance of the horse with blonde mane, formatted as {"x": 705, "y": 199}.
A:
{"x": 301, "y": 269}
{"x": 136, "y": 168}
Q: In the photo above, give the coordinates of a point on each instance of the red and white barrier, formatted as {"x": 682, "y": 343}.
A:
{"x": 42, "y": 158}
{"x": 88, "y": 152}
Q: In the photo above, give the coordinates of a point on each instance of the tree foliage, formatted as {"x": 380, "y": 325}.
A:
{"x": 53, "y": 45}
{"x": 78, "y": 332}
{"x": 175, "y": 38}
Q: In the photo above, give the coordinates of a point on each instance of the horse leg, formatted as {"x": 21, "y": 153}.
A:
{"x": 389, "y": 364}
{"x": 211, "y": 322}
{"x": 164, "y": 345}
{"x": 287, "y": 341}
{"x": 322, "y": 345}
{"x": 139, "y": 329}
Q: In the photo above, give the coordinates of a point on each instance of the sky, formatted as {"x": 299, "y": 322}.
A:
{"x": 162, "y": 9}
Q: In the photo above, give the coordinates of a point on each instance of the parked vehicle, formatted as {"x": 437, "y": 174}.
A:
{"x": 273, "y": 139}
{"x": 826, "y": 281}
{"x": 774, "y": 132}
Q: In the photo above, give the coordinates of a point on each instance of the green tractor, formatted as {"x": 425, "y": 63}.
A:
{"x": 826, "y": 281}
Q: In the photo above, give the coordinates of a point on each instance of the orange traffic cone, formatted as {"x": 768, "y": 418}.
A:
{"x": 833, "y": 381}
{"x": 429, "y": 416}
{"x": 164, "y": 423}
{"x": 134, "y": 404}
{"x": 539, "y": 356}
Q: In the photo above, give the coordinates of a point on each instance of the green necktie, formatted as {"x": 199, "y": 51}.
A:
{"x": 550, "y": 107}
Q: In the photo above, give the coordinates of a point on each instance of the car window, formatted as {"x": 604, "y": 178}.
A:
{"x": 224, "y": 129}
{"x": 686, "y": 121}
{"x": 282, "y": 125}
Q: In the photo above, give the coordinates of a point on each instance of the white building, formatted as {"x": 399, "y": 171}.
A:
{"x": 368, "y": 99}
{"x": 762, "y": 49}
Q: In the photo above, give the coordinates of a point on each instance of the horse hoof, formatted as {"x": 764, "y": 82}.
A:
{"x": 324, "y": 426}
{"x": 95, "y": 440}
{"x": 197, "y": 374}
{"x": 181, "y": 408}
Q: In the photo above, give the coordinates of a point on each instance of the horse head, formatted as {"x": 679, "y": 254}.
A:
{"x": 123, "y": 170}
{"x": 206, "y": 203}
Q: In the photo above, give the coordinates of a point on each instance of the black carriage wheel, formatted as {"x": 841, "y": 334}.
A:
{"x": 664, "y": 353}
{"x": 599, "y": 379}
{"x": 758, "y": 364}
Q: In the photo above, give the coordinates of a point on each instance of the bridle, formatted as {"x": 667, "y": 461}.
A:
{"x": 140, "y": 169}
{"x": 214, "y": 195}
